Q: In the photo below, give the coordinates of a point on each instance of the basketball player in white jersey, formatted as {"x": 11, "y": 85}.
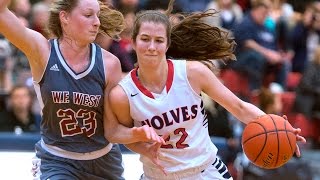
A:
{"x": 164, "y": 93}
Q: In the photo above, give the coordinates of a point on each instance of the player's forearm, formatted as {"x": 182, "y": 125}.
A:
{"x": 247, "y": 112}
{"x": 121, "y": 134}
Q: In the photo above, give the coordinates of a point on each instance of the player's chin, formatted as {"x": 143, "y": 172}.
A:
{"x": 91, "y": 36}
{"x": 152, "y": 57}
{"x": 91, "y": 39}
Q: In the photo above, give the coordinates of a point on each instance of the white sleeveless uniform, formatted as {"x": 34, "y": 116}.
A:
{"x": 178, "y": 111}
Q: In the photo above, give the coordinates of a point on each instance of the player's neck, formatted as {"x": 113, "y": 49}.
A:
{"x": 77, "y": 57}
{"x": 74, "y": 51}
{"x": 153, "y": 79}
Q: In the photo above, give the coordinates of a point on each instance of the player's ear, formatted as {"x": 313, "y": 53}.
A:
{"x": 63, "y": 15}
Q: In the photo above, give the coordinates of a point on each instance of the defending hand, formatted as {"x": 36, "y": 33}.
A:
{"x": 147, "y": 134}
{"x": 153, "y": 155}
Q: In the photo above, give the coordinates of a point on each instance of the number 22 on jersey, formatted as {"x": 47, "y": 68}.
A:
{"x": 180, "y": 143}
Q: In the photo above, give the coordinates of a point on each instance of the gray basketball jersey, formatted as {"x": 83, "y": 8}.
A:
{"x": 72, "y": 103}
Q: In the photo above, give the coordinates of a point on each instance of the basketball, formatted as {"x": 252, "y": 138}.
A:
{"x": 269, "y": 141}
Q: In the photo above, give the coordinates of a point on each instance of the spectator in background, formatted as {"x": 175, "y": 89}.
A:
{"x": 307, "y": 99}
{"x": 270, "y": 99}
{"x": 280, "y": 21}
{"x": 193, "y": 5}
{"x": 126, "y": 6}
{"x": 230, "y": 14}
{"x": 2, "y": 102}
{"x": 308, "y": 91}
{"x": 125, "y": 45}
{"x": 160, "y": 5}
{"x": 39, "y": 17}
{"x": 20, "y": 73}
{"x": 305, "y": 37}
{"x": 19, "y": 115}
{"x": 244, "y": 4}
{"x": 5, "y": 65}
{"x": 20, "y": 8}
{"x": 257, "y": 52}
{"x": 280, "y": 12}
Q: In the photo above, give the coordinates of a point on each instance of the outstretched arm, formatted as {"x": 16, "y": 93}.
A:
{"x": 202, "y": 79}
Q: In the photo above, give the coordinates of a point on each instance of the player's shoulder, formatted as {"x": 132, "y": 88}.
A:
{"x": 109, "y": 57}
{"x": 109, "y": 60}
{"x": 194, "y": 67}
{"x": 198, "y": 74}
{"x": 117, "y": 94}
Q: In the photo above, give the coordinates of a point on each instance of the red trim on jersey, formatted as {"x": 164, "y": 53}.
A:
{"x": 170, "y": 75}
{"x": 144, "y": 90}
{"x": 136, "y": 81}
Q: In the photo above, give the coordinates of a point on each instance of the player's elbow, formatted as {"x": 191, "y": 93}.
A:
{"x": 109, "y": 134}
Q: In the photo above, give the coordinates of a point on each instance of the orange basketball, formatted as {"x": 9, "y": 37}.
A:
{"x": 269, "y": 141}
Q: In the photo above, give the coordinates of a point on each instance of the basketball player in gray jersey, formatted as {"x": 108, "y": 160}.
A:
{"x": 72, "y": 78}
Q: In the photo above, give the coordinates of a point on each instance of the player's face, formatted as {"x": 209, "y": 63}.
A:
{"x": 83, "y": 21}
{"x": 151, "y": 42}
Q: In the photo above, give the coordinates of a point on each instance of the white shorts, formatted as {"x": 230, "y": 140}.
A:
{"x": 217, "y": 170}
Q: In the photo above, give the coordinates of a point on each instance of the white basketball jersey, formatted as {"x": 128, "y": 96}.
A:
{"x": 179, "y": 112}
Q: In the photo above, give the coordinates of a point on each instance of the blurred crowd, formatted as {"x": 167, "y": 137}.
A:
{"x": 277, "y": 66}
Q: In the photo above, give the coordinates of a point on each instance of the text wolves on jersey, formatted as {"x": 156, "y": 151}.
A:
{"x": 177, "y": 115}
{"x": 89, "y": 100}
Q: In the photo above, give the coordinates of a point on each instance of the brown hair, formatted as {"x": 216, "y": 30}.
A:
{"x": 266, "y": 99}
{"x": 20, "y": 86}
{"x": 112, "y": 21}
{"x": 190, "y": 38}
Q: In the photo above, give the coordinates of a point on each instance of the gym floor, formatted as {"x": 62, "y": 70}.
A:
{"x": 17, "y": 165}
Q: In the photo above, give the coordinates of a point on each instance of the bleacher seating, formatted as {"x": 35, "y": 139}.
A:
{"x": 308, "y": 126}
{"x": 238, "y": 84}
{"x": 235, "y": 81}
{"x": 293, "y": 80}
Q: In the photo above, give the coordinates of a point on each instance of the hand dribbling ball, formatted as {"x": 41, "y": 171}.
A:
{"x": 269, "y": 141}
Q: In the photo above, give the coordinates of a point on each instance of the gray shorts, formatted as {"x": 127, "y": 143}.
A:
{"x": 107, "y": 167}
